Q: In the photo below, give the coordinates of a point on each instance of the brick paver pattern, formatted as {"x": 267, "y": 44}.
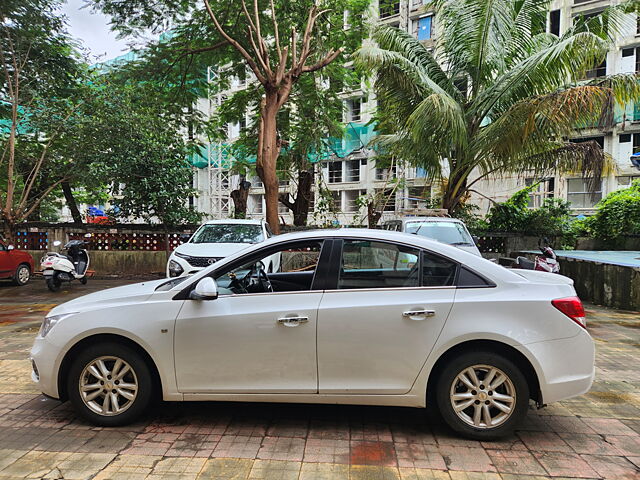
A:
{"x": 596, "y": 435}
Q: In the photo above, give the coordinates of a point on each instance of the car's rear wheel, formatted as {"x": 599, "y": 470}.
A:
{"x": 109, "y": 384}
{"x": 482, "y": 395}
{"x": 22, "y": 275}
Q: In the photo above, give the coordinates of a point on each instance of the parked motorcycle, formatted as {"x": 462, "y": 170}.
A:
{"x": 58, "y": 268}
{"x": 546, "y": 262}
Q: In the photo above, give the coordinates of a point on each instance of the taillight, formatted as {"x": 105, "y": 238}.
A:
{"x": 572, "y": 308}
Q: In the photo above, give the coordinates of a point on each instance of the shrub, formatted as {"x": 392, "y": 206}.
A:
{"x": 618, "y": 214}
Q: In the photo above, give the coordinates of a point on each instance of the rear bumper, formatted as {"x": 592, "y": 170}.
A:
{"x": 565, "y": 367}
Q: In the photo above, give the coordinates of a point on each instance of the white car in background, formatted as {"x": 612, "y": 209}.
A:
{"x": 215, "y": 240}
{"x": 443, "y": 229}
{"x": 435, "y": 327}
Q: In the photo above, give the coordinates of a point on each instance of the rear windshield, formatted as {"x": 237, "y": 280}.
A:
{"x": 453, "y": 233}
{"x": 228, "y": 233}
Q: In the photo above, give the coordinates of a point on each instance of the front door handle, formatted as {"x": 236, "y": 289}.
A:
{"x": 419, "y": 313}
{"x": 292, "y": 321}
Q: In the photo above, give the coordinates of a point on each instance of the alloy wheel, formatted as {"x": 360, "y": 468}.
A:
{"x": 23, "y": 275}
{"x": 483, "y": 396}
{"x": 108, "y": 385}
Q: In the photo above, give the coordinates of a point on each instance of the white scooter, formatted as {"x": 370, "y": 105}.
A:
{"x": 58, "y": 268}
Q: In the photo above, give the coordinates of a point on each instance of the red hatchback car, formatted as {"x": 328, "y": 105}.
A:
{"x": 15, "y": 264}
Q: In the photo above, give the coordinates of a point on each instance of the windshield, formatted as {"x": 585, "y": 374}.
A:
{"x": 228, "y": 233}
{"x": 453, "y": 233}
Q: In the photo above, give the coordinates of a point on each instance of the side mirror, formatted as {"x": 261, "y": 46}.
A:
{"x": 57, "y": 243}
{"x": 10, "y": 247}
{"x": 206, "y": 289}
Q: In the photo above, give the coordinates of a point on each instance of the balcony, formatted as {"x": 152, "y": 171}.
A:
{"x": 388, "y": 8}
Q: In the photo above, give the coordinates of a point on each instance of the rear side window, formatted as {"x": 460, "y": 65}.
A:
{"x": 371, "y": 264}
{"x": 437, "y": 271}
{"x": 469, "y": 279}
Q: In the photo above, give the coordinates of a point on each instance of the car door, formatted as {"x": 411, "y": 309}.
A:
{"x": 252, "y": 341}
{"x": 6, "y": 263}
{"x": 378, "y": 325}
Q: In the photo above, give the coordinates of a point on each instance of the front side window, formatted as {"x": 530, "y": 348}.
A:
{"x": 228, "y": 233}
{"x": 371, "y": 264}
{"x": 451, "y": 233}
{"x": 293, "y": 269}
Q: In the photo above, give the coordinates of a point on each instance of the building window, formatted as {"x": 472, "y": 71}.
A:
{"x": 599, "y": 71}
{"x": 627, "y": 180}
{"x": 353, "y": 171}
{"x": 628, "y": 137}
{"x": 385, "y": 173}
{"x": 354, "y": 109}
{"x": 256, "y": 202}
{"x": 351, "y": 200}
{"x": 417, "y": 197}
{"x": 256, "y": 182}
{"x": 335, "y": 171}
{"x": 389, "y": 8}
{"x": 598, "y": 140}
{"x": 543, "y": 191}
{"x": 578, "y": 194}
{"x": 638, "y": 25}
{"x": 336, "y": 198}
{"x": 554, "y": 22}
{"x": 422, "y": 28}
{"x": 388, "y": 200}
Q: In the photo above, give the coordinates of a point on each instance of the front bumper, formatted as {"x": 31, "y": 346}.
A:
{"x": 566, "y": 367}
{"x": 45, "y": 357}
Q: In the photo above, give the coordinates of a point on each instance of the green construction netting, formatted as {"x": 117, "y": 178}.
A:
{"x": 356, "y": 137}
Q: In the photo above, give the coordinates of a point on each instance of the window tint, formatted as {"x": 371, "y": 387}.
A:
{"x": 370, "y": 264}
{"x": 294, "y": 269}
{"x": 467, "y": 278}
{"x": 437, "y": 271}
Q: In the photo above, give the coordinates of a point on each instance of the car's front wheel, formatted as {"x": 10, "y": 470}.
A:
{"x": 109, "y": 384}
{"x": 482, "y": 395}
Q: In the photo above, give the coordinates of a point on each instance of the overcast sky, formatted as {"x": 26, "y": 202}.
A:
{"x": 93, "y": 30}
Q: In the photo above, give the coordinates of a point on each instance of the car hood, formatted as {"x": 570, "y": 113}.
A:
{"x": 220, "y": 250}
{"x": 135, "y": 293}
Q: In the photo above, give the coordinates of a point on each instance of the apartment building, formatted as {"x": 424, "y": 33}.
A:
{"x": 349, "y": 172}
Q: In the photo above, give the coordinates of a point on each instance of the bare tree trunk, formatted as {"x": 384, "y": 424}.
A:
{"x": 373, "y": 215}
{"x": 8, "y": 231}
{"x": 71, "y": 203}
{"x": 300, "y": 206}
{"x": 239, "y": 197}
{"x": 268, "y": 152}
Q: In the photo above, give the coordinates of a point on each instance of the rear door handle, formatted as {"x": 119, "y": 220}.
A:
{"x": 419, "y": 313}
{"x": 292, "y": 321}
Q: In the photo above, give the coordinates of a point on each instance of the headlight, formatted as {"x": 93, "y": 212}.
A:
{"x": 50, "y": 322}
{"x": 175, "y": 270}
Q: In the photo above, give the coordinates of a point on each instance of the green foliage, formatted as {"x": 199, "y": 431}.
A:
{"x": 618, "y": 214}
{"x": 514, "y": 216}
{"x": 497, "y": 94}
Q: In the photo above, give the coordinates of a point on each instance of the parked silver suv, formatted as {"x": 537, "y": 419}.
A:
{"x": 444, "y": 229}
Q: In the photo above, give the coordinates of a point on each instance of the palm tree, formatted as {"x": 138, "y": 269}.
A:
{"x": 497, "y": 95}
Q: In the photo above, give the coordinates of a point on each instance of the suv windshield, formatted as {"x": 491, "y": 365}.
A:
{"x": 228, "y": 233}
{"x": 452, "y": 233}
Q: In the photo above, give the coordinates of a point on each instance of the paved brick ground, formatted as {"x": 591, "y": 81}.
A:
{"x": 593, "y": 436}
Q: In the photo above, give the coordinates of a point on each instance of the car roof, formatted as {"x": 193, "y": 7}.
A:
{"x": 238, "y": 221}
{"x": 430, "y": 219}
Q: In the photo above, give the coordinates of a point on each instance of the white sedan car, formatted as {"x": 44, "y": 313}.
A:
{"x": 351, "y": 317}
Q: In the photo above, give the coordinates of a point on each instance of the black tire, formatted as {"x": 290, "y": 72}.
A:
{"x": 142, "y": 375}
{"x": 83, "y": 280}
{"x": 516, "y": 381}
{"x": 53, "y": 283}
{"x": 22, "y": 275}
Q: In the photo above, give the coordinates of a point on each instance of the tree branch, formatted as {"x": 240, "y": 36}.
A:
{"x": 261, "y": 78}
{"x": 330, "y": 57}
